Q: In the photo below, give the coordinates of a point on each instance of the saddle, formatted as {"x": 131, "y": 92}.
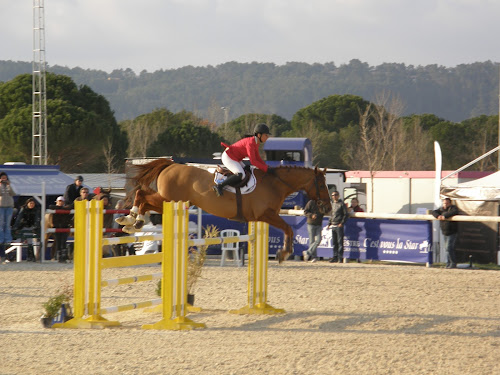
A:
{"x": 245, "y": 186}
{"x": 222, "y": 170}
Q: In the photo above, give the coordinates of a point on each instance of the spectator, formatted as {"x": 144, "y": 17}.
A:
{"x": 73, "y": 190}
{"x": 59, "y": 248}
{"x": 106, "y": 202}
{"x": 120, "y": 249}
{"x": 7, "y": 194}
{"x": 355, "y": 206}
{"x": 449, "y": 229}
{"x": 27, "y": 225}
{"x": 337, "y": 220}
{"x": 314, "y": 228}
{"x": 84, "y": 196}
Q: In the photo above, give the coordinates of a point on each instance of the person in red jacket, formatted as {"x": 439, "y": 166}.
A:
{"x": 247, "y": 147}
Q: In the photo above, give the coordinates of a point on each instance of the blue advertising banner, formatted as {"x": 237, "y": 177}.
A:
{"x": 364, "y": 239}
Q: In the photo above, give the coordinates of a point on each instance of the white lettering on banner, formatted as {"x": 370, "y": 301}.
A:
{"x": 410, "y": 245}
{"x": 387, "y": 246}
{"x": 274, "y": 239}
{"x": 301, "y": 240}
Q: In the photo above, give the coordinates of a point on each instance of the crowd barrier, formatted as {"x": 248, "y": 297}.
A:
{"x": 89, "y": 263}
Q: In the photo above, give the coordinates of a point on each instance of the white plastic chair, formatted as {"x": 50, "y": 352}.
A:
{"x": 235, "y": 247}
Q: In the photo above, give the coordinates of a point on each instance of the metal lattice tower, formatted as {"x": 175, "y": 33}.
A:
{"x": 39, "y": 140}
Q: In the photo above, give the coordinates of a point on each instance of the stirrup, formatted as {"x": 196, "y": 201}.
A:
{"x": 218, "y": 190}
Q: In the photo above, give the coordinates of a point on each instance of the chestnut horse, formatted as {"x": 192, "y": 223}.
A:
{"x": 163, "y": 180}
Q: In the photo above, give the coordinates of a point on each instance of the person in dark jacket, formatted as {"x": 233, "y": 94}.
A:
{"x": 449, "y": 230}
{"x": 337, "y": 220}
{"x": 60, "y": 221}
{"x": 73, "y": 191}
{"x": 28, "y": 222}
{"x": 314, "y": 227}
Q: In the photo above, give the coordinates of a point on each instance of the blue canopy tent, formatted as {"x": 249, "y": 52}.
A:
{"x": 27, "y": 180}
{"x": 43, "y": 182}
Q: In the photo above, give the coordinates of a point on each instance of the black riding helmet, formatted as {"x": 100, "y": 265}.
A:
{"x": 261, "y": 129}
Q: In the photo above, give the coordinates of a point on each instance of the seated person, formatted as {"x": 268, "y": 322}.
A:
{"x": 28, "y": 224}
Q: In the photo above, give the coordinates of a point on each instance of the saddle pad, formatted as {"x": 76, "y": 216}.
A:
{"x": 247, "y": 189}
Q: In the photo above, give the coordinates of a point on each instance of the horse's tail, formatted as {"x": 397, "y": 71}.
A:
{"x": 145, "y": 174}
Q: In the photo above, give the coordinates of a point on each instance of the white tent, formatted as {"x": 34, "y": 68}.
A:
{"x": 482, "y": 189}
{"x": 479, "y": 197}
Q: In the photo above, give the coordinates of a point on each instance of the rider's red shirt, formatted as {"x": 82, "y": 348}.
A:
{"x": 246, "y": 147}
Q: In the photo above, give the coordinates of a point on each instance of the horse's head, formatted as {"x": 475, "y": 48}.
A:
{"x": 318, "y": 191}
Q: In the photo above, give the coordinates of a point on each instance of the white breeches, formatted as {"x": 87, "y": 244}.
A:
{"x": 234, "y": 166}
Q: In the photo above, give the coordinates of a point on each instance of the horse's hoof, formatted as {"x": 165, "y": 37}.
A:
{"x": 139, "y": 224}
{"x": 129, "y": 229}
{"x": 125, "y": 220}
{"x": 280, "y": 254}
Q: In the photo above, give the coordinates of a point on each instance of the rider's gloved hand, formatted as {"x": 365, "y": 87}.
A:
{"x": 271, "y": 171}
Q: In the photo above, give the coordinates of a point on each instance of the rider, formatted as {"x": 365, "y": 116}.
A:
{"x": 246, "y": 147}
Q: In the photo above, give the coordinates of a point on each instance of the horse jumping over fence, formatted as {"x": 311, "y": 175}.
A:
{"x": 163, "y": 180}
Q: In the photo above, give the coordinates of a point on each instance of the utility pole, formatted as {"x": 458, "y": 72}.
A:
{"x": 39, "y": 118}
{"x": 499, "y": 115}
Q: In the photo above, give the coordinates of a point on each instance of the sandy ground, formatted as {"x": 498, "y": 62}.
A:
{"x": 340, "y": 319}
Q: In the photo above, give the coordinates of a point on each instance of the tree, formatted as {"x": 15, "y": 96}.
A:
{"x": 186, "y": 140}
{"x": 79, "y": 122}
{"x": 482, "y": 136}
{"x": 245, "y": 124}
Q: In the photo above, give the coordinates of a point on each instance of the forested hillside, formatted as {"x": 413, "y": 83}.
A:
{"x": 454, "y": 94}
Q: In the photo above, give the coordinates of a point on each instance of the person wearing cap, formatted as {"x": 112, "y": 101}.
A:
{"x": 73, "y": 190}
{"x": 247, "y": 147}
{"x": 59, "y": 248}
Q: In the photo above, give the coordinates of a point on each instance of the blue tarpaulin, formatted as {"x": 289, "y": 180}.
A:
{"x": 27, "y": 179}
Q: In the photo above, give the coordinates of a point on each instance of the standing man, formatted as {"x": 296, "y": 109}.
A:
{"x": 73, "y": 191}
{"x": 7, "y": 194}
{"x": 337, "y": 220}
{"x": 314, "y": 227}
{"x": 449, "y": 229}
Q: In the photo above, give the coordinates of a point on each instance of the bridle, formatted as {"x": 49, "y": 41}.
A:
{"x": 319, "y": 201}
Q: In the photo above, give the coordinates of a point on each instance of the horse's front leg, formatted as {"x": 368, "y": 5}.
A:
{"x": 129, "y": 220}
{"x": 272, "y": 218}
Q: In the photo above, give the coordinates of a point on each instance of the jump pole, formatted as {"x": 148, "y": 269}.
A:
{"x": 258, "y": 253}
{"x": 175, "y": 222}
{"x": 87, "y": 270}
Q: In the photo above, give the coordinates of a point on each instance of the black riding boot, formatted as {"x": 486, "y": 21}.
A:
{"x": 231, "y": 180}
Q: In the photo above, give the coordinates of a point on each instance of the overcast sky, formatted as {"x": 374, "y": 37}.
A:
{"x": 166, "y": 34}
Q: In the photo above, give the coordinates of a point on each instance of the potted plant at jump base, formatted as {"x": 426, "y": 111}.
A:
{"x": 196, "y": 260}
{"x": 57, "y": 309}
